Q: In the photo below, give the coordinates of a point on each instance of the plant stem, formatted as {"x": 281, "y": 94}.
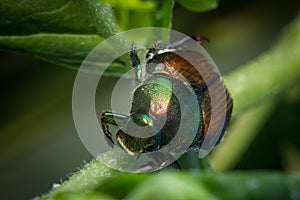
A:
{"x": 268, "y": 75}
{"x": 240, "y": 135}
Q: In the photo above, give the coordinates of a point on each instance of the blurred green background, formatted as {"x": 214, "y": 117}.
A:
{"x": 39, "y": 145}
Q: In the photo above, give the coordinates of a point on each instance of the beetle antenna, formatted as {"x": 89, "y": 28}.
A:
{"x": 179, "y": 44}
{"x": 199, "y": 39}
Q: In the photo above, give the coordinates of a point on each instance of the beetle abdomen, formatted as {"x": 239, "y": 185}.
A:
{"x": 192, "y": 72}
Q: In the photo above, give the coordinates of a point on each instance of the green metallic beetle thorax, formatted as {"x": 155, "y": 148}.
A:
{"x": 153, "y": 96}
{"x": 155, "y": 107}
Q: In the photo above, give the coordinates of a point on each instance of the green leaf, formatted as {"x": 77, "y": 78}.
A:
{"x": 198, "y": 5}
{"x": 170, "y": 186}
{"x": 61, "y": 16}
{"x": 35, "y": 16}
{"x": 39, "y": 28}
{"x": 128, "y": 183}
{"x": 190, "y": 185}
{"x": 81, "y": 196}
{"x": 63, "y": 49}
{"x": 251, "y": 185}
{"x": 101, "y": 15}
{"x": 73, "y": 48}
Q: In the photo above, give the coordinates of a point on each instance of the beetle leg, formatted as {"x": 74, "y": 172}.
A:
{"x": 136, "y": 63}
{"x": 200, "y": 39}
{"x": 180, "y": 43}
{"x": 109, "y": 118}
{"x": 175, "y": 165}
{"x": 153, "y": 50}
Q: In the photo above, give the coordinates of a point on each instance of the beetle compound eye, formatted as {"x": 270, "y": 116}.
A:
{"x": 174, "y": 102}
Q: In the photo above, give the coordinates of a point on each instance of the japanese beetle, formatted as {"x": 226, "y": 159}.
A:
{"x": 154, "y": 105}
